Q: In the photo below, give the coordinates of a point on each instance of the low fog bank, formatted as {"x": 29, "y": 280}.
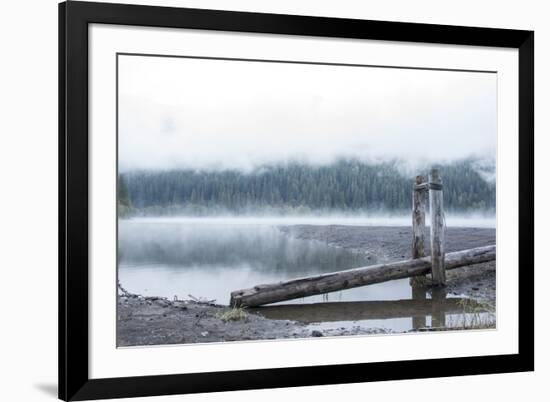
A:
{"x": 177, "y": 113}
{"x": 348, "y": 187}
{"x": 471, "y": 220}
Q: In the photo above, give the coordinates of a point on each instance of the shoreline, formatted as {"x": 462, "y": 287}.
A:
{"x": 155, "y": 320}
{"x": 146, "y": 321}
{"x": 392, "y": 243}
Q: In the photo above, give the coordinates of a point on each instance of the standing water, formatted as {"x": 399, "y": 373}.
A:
{"x": 209, "y": 258}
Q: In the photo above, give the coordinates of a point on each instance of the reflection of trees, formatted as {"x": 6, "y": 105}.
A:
{"x": 260, "y": 247}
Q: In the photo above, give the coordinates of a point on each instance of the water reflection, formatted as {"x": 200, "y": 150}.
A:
{"x": 418, "y": 293}
{"x": 362, "y": 310}
{"x": 262, "y": 247}
{"x": 167, "y": 258}
{"x": 428, "y": 308}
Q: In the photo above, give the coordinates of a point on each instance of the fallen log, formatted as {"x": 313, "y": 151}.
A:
{"x": 351, "y": 278}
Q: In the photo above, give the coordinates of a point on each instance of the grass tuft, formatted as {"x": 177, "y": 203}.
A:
{"x": 475, "y": 315}
{"x": 234, "y": 314}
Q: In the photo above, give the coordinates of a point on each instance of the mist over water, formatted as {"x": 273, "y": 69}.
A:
{"x": 167, "y": 257}
{"x": 473, "y": 220}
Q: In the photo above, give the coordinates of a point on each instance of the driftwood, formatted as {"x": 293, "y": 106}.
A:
{"x": 331, "y": 282}
{"x": 201, "y": 300}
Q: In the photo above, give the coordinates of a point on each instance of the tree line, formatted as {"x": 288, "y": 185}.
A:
{"x": 347, "y": 185}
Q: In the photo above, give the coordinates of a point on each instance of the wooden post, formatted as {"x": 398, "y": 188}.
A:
{"x": 437, "y": 228}
{"x": 418, "y": 218}
{"x": 419, "y": 196}
{"x": 418, "y": 283}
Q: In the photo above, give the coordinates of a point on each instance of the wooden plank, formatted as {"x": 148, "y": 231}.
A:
{"x": 331, "y": 282}
{"x": 437, "y": 229}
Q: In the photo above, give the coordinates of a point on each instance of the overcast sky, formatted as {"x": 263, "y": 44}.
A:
{"x": 210, "y": 114}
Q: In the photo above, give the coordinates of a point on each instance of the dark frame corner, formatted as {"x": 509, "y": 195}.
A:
{"x": 74, "y": 17}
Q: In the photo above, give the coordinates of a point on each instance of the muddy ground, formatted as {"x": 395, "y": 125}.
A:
{"x": 155, "y": 321}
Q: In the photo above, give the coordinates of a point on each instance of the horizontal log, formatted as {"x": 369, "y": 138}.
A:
{"x": 351, "y": 278}
{"x": 355, "y": 311}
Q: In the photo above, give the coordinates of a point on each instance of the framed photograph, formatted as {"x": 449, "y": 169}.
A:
{"x": 256, "y": 200}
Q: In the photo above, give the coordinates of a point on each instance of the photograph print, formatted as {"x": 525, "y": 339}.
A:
{"x": 265, "y": 200}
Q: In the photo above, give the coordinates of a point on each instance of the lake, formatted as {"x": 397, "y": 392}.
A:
{"x": 208, "y": 258}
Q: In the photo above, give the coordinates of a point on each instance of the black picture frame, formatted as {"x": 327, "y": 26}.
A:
{"x": 74, "y": 381}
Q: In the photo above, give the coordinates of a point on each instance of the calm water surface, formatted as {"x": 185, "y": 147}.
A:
{"x": 210, "y": 258}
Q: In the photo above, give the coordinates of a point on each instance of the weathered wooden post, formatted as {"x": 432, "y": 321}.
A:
{"x": 437, "y": 228}
{"x": 419, "y": 196}
{"x": 418, "y": 217}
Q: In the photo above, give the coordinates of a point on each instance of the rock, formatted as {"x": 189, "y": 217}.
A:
{"x": 316, "y": 333}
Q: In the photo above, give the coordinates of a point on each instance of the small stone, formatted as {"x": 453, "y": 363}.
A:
{"x": 316, "y": 333}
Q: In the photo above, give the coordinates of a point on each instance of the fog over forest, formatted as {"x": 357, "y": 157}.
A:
{"x": 212, "y": 136}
